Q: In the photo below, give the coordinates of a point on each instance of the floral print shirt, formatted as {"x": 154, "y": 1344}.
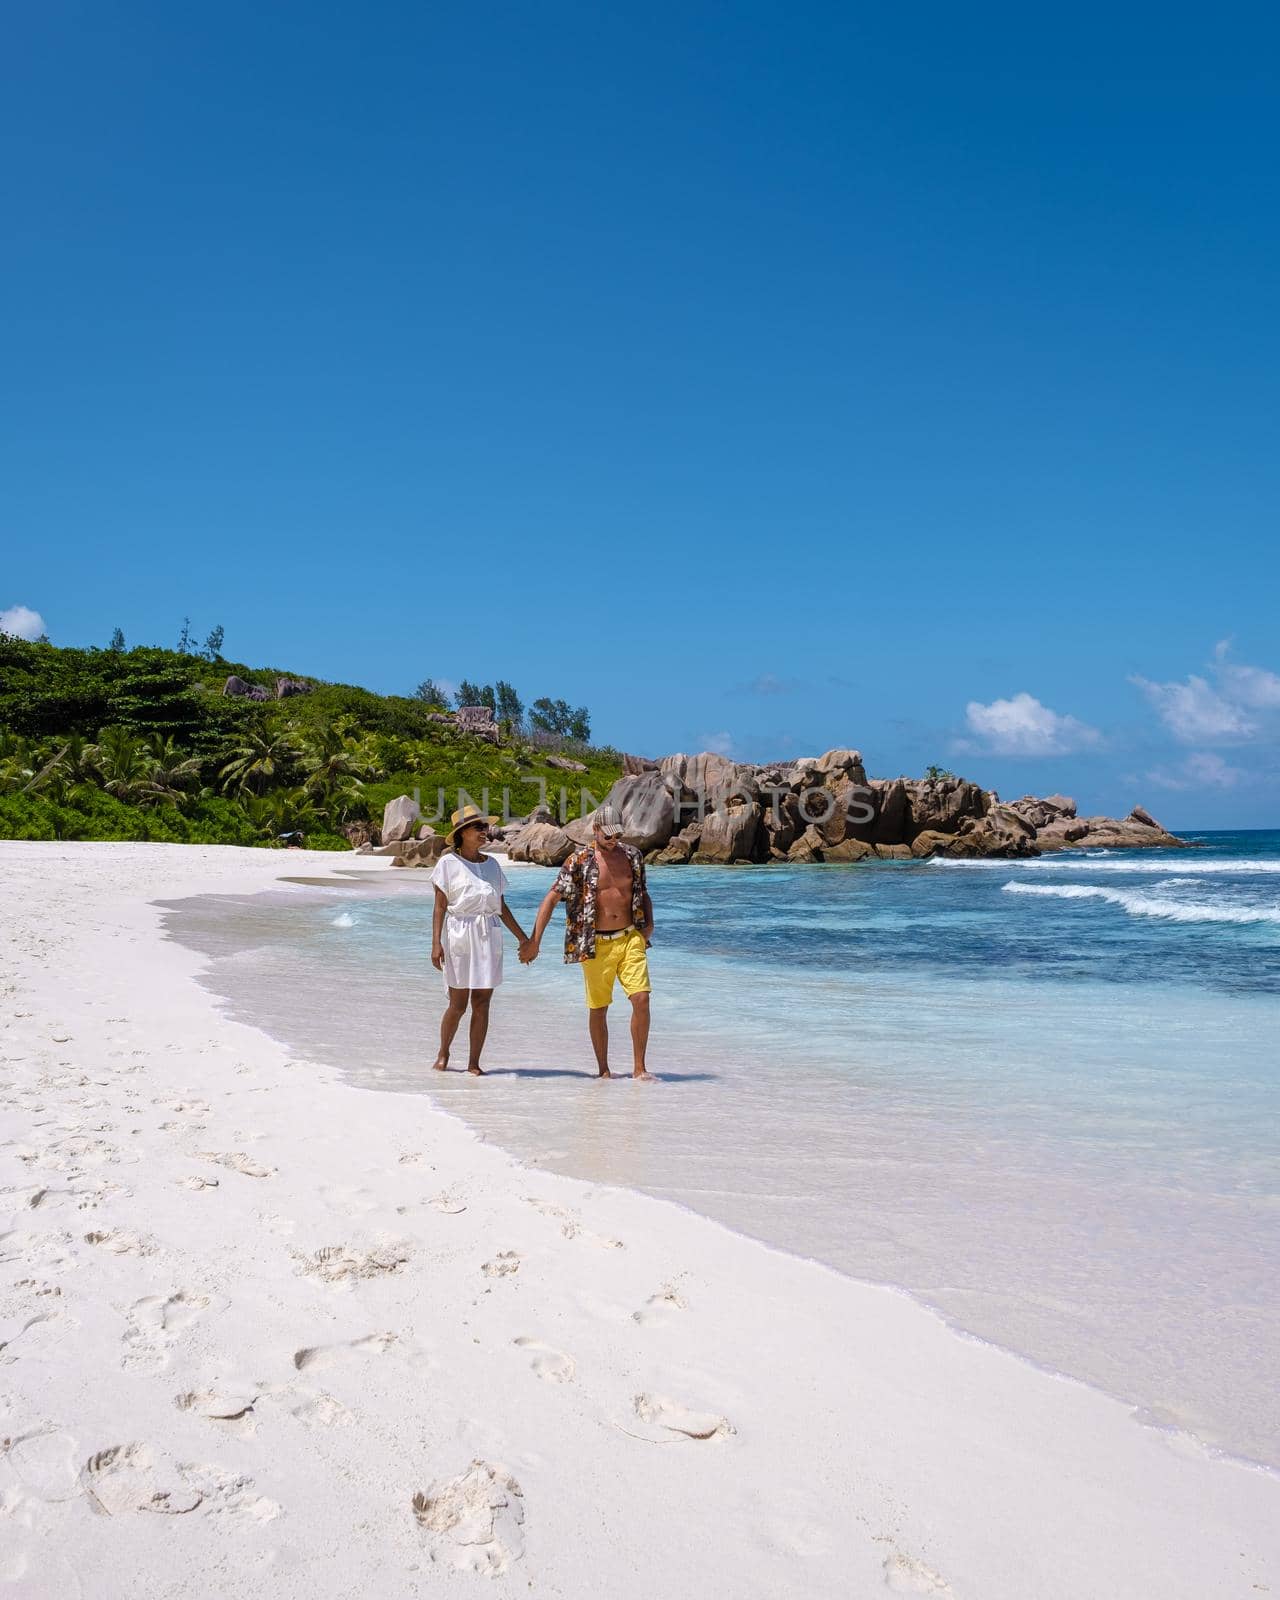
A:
{"x": 577, "y": 885}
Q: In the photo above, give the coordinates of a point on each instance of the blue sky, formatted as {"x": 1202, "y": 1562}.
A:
{"x": 766, "y": 377}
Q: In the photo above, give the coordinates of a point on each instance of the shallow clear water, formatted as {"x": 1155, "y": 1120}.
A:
{"x": 1041, "y": 1095}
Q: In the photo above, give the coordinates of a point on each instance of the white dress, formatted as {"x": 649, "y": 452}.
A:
{"x": 472, "y": 932}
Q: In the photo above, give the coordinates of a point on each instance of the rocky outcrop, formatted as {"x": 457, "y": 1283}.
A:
{"x": 286, "y": 688}
{"x": 1043, "y": 813}
{"x": 647, "y": 805}
{"x": 398, "y": 818}
{"x": 566, "y": 764}
{"x": 478, "y": 721}
{"x": 944, "y": 804}
{"x": 1133, "y": 833}
{"x": 542, "y": 843}
{"x": 360, "y": 834}
{"x": 891, "y": 817}
{"x": 420, "y": 852}
{"x": 729, "y": 835}
{"x": 706, "y": 808}
{"x": 237, "y": 689}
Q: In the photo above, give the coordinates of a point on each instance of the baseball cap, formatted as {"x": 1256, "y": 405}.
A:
{"x": 609, "y": 821}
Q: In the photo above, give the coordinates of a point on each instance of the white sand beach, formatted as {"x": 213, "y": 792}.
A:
{"x": 263, "y": 1332}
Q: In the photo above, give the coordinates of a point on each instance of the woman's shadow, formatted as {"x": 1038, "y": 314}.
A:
{"x": 573, "y": 1072}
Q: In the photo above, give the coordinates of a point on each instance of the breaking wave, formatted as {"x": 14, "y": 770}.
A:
{"x": 1089, "y": 862}
{"x": 1142, "y": 905}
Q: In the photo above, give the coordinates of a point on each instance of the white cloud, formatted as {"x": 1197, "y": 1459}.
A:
{"x": 1254, "y": 687}
{"x": 22, "y": 623}
{"x": 1195, "y": 712}
{"x": 1021, "y": 726}
{"x": 719, "y": 744}
{"x": 1230, "y": 706}
{"x": 1203, "y": 771}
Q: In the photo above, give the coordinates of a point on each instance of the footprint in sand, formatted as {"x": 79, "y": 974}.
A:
{"x": 155, "y": 1322}
{"x": 46, "y": 1463}
{"x": 320, "y": 1356}
{"x": 344, "y": 1263}
{"x": 36, "y": 1286}
{"x": 474, "y": 1522}
{"x": 570, "y": 1226}
{"x": 229, "y": 1494}
{"x": 906, "y": 1575}
{"x": 132, "y": 1477}
{"x": 231, "y": 1407}
{"x": 503, "y": 1265}
{"x": 319, "y": 1410}
{"x": 548, "y": 1363}
{"x": 659, "y": 1308}
{"x": 448, "y": 1203}
{"x": 673, "y": 1422}
{"x": 119, "y": 1242}
{"x": 350, "y": 1199}
{"x": 34, "y": 1249}
{"x": 195, "y": 1181}
{"x": 238, "y": 1162}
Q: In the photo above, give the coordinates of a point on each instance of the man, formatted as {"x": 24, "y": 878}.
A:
{"x": 608, "y": 926}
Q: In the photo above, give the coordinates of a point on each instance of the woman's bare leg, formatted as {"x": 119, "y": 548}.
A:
{"x": 480, "y": 999}
{"x": 453, "y": 1015}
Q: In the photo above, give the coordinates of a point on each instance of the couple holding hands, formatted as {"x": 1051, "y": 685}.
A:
{"x": 608, "y": 926}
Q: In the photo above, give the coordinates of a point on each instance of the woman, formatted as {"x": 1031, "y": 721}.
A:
{"x": 466, "y": 940}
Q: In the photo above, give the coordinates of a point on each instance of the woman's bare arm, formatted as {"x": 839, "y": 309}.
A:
{"x": 509, "y": 922}
{"x": 437, "y": 930}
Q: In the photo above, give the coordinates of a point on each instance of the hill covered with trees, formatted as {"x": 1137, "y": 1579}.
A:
{"x": 145, "y": 743}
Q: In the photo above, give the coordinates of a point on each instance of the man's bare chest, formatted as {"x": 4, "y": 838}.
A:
{"x": 614, "y": 878}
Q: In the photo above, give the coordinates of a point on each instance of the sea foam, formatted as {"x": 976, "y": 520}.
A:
{"x": 1142, "y": 905}
{"x": 1088, "y": 862}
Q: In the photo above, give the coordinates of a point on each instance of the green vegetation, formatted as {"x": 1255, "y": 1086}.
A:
{"x": 142, "y": 744}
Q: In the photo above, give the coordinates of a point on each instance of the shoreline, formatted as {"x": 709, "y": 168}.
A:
{"x": 854, "y": 1439}
{"x": 512, "y": 1124}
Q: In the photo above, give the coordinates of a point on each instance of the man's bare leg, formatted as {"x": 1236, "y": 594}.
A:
{"x": 640, "y": 1033}
{"x": 480, "y": 999}
{"x": 453, "y": 1015}
{"x": 598, "y": 1023}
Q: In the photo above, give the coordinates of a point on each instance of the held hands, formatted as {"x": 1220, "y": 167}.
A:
{"x": 528, "y": 951}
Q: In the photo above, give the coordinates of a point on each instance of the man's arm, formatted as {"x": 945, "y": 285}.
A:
{"x": 645, "y": 902}
{"x": 550, "y": 901}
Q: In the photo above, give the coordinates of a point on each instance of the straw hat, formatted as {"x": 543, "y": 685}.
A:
{"x": 465, "y": 815}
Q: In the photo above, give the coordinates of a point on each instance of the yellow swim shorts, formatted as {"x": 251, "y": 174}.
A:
{"x": 622, "y": 957}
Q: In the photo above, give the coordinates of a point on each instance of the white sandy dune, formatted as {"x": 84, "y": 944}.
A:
{"x": 264, "y": 1333}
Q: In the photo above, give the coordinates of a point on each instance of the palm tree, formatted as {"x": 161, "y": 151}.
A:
{"x": 123, "y": 762}
{"x": 171, "y": 771}
{"x": 341, "y": 802}
{"x": 17, "y": 762}
{"x": 281, "y": 812}
{"x": 331, "y": 761}
{"x": 263, "y": 759}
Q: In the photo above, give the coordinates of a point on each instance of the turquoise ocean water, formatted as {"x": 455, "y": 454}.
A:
{"x": 1040, "y": 1096}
